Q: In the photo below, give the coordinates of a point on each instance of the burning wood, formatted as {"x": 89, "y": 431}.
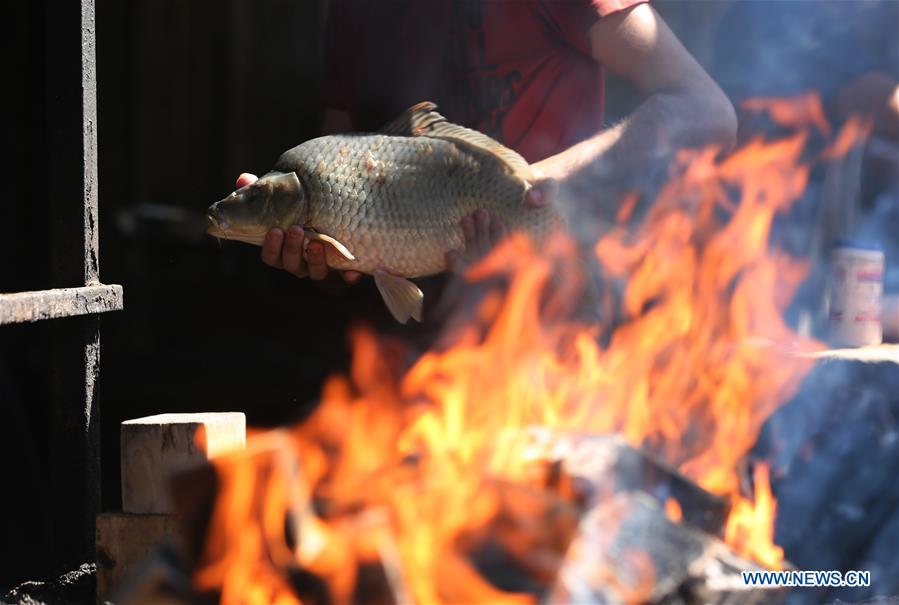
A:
{"x": 536, "y": 540}
{"x": 628, "y": 551}
{"x": 595, "y": 467}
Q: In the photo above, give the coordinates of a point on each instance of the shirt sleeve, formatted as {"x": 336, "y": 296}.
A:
{"x": 572, "y": 19}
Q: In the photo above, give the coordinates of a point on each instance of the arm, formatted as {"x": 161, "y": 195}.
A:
{"x": 682, "y": 107}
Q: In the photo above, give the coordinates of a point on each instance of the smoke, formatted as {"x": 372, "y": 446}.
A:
{"x": 785, "y": 47}
{"x": 835, "y": 446}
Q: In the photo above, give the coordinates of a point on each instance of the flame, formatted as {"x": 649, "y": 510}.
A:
{"x": 697, "y": 357}
{"x": 673, "y": 510}
{"x": 855, "y": 130}
{"x": 800, "y": 111}
{"x": 750, "y": 527}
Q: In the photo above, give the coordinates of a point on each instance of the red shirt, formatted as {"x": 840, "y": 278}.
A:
{"x": 519, "y": 70}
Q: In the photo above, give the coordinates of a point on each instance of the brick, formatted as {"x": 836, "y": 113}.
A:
{"x": 156, "y": 447}
{"x": 124, "y": 542}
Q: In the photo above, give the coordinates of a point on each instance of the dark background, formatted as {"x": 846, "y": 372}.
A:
{"x": 191, "y": 93}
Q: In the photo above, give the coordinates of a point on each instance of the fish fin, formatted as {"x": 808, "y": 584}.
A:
{"x": 343, "y": 250}
{"x": 402, "y": 297}
{"x": 422, "y": 119}
{"x": 403, "y": 125}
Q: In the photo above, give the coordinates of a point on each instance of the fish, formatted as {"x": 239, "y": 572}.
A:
{"x": 389, "y": 203}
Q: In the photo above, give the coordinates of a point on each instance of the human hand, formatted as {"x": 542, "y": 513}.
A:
{"x": 285, "y": 251}
{"x": 482, "y": 232}
{"x": 544, "y": 186}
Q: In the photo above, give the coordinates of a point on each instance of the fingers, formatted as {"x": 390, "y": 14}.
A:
{"x": 482, "y": 235}
{"x": 287, "y": 253}
{"x": 315, "y": 260}
{"x": 498, "y": 231}
{"x": 245, "y": 179}
{"x": 468, "y": 232}
{"x": 292, "y": 253}
{"x": 542, "y": 192}
{"x": 351, "y": 277}
{"x": 271, "y": 248}
{"x": 455, "y": 262}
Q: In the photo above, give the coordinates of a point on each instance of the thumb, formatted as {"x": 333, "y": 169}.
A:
{"x": 245, "y": 179}
{"x": 542, "y": 192}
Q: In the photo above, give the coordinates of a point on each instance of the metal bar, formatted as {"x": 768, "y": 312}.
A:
{"x": 89, "y": 143}
{"x": 23, "y": 307}
{"x": 65, "y": 494}
{"x": 73, "y": 460}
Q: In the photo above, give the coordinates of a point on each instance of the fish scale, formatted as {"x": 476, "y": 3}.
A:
{"x": 396, "y": 202}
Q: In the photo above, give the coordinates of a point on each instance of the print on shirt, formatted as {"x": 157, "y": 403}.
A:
{"x": 482, "y": 92}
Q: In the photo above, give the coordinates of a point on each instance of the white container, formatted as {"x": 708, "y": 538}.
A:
{"x": 856, "y": 294}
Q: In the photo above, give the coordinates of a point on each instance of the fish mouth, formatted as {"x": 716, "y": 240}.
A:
{"x": 219, "y": 227}
{"x": 216, "y": 226}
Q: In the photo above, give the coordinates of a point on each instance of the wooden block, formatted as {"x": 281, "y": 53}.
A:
{"x": 156, "y": 447}
{"x": 124, "y": 542}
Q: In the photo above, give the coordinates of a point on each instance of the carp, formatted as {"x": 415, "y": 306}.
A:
{"x": 388, "y": 204}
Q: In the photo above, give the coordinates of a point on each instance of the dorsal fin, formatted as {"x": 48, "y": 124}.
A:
{"x": 403, "y": 125}
{"x": 422, "y": 120}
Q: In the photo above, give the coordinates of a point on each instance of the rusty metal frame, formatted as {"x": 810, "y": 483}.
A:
{"x": 62, "y": 302}
{"x": 93, "y": 297}
{"x": 73, "y": 476}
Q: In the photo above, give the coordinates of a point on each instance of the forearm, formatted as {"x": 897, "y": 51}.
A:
{"x": 625, "y": 155}
{"x": 682, "y": 107}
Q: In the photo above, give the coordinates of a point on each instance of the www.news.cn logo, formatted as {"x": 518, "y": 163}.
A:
{"x": 807, "y": 578}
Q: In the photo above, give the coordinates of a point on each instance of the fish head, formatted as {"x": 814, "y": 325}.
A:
{"x": 276, "y": 199}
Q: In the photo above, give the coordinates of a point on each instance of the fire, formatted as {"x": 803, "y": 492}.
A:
{"x": 800, "y": 111}
{"x": 673, "y": 510}
{"x": 750, "y": 527}
{"x": 696, "y": 359}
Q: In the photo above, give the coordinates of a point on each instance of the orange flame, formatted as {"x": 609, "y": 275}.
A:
{"x": 699, "y": 360}
{"x": 673, "y": 510}
{"x": 855, "y": 130}
{"x": 800, "y": 111}
{"x": 750, "y": 527}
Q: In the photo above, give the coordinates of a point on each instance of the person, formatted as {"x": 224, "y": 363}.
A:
{"x": 530, "y": 74}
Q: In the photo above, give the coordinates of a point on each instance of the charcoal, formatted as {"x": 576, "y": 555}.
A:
{"x": 520, "y": 549}
{"x": 70, "y": 588}
{"x": 160, "y": 579}
{"x": 601, "y": 466}
{"x": 627, "y": 550}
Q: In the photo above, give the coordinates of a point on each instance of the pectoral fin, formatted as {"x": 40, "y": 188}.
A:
{"x": 343, "y": 250}
{"x": 402, "y": 297}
